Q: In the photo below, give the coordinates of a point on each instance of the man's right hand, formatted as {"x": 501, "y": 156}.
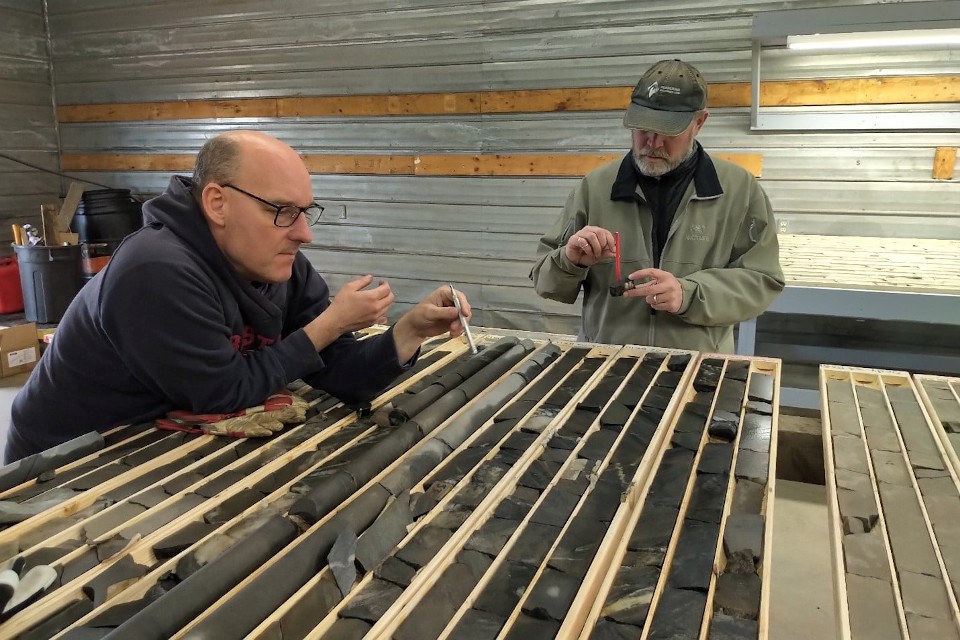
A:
{"x": 356, "y": 307}
{"x": 590, "y": 245}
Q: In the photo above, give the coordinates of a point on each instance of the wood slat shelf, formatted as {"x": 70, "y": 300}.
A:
{"x": 682, "y": 568}
{"x": 513, "y": 512}
{"x": 897, "y": 264}
{"x": 894, "y": 508}
{"x": 941, "y": 397}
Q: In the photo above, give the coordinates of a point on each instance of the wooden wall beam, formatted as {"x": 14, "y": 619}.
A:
{"x": 128, "y": 162}
{"x": 383, "y": 105}
{"x": 540, "y": 165}
{"x": 894, "y": 90}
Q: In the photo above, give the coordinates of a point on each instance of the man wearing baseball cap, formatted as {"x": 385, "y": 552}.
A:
{"x": 698, "y": 241}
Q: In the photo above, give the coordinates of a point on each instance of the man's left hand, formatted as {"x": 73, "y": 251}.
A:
{"x": 661, "y": 290}
{"x": 434, "y": 315}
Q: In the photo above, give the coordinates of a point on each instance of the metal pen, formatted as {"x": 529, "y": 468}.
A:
{"x": 463, "y": 320}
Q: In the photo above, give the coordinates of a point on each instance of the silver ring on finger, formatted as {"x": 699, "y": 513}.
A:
{"x": 654, "y": 298}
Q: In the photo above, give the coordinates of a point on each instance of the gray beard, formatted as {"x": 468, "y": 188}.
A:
{"x": 657, "y": 169}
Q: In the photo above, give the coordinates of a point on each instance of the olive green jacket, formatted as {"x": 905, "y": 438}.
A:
{"x": 722, "y": 246}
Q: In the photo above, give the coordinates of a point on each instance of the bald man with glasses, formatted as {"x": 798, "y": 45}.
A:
{"x": 211, "y": 307}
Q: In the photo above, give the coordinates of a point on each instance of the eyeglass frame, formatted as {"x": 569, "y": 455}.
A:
{"x": 280, "y": 207}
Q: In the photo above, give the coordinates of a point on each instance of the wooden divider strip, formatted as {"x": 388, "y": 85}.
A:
{"x": 558, "y": 164}
{"x": 847, "y": 91}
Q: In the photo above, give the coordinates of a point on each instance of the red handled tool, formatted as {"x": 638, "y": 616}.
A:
{"x": 616, "y": 253}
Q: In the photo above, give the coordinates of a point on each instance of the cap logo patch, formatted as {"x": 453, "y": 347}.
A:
{"x": 656, "y": 87}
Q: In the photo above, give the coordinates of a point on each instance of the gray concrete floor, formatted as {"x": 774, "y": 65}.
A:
{"x": 802, "y": 605}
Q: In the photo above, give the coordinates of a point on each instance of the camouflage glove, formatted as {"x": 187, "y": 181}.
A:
{"x": 262, "y": 420}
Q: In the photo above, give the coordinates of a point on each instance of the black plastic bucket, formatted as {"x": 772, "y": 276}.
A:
{"x": 106, "y": 215}
{"x": 50, "y": 278}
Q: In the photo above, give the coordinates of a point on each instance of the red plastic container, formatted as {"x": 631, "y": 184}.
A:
{"x": 11, "y": 294}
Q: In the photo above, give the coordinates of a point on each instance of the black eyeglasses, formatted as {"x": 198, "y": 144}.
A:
{"x": 287, "y": 214}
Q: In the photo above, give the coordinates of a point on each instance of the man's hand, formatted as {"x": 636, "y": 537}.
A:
{"x": 662, "y": 290}
{"x": 589, "y": 246}
{"x": 434, "y": 315}
{"x": 354, "y": 307}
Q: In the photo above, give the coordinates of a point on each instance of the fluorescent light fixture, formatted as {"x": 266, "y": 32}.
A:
{"x": 874, "y": 39}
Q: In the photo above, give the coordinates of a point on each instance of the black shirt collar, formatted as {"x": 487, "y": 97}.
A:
{"x": 705, "y": 179}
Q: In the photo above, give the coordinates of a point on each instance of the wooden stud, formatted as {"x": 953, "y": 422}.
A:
{"x": 944, "y": 162}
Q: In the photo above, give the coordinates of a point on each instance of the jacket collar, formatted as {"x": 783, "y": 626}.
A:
{"x": 705, "y": 179}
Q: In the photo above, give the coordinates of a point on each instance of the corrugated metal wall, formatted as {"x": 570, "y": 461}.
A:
{"x": 27, "y": 125}
{"x": 479, "y": 231}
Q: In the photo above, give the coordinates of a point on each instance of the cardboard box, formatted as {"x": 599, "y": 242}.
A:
{"x": 19, "y": 349}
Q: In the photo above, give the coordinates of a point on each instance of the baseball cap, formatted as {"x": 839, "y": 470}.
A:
{"x": 666, "y": 99}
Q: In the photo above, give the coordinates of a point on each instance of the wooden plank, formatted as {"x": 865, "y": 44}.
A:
{"x": 549, "y": 100}
{"x": 833, "y": 510}
{"x": 69, "y": 206}
{"x": 175, "y": 110}
{"x": 944, "y": 162}
{"x": 891, "y": 90}
{"x": 360, "y": 164}
{"x": 48, "y": 218}
{"x": 559, "y": 164}
{"x": 128, "y": 162}
{"x": 770, "y": 366}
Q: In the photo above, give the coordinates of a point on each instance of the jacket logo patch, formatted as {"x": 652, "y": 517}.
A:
{"x": 697, "y": 233}
{"x": 250, "y": 340}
